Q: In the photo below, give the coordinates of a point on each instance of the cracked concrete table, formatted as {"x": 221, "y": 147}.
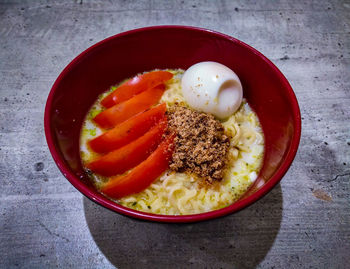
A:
{"x": 303, "y": 223}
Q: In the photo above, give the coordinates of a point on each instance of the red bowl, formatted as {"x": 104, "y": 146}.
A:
{"x": 126, "y": 54}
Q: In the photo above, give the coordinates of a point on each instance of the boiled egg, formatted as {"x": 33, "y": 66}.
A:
{"x": 213, "y": 88}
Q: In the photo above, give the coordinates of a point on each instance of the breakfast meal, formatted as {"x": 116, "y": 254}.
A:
{"x": 173, "y": 142}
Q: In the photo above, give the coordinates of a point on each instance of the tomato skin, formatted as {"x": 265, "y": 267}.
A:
{"x": 135, "y": 86}
{"x": 127, "y": 157}
{"x": 140, "y": 177}
{"x": 128, "y": 130}
{"x": 125, "y": 110}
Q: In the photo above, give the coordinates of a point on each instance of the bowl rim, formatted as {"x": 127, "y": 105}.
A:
{"x": 109, "y": 204}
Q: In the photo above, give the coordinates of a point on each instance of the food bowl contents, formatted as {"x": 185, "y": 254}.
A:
{"x": 213, "y": 88}
{"x": 146, "y": 146}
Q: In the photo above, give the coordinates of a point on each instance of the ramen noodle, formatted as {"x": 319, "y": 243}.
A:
{"x": 176, "y": 193}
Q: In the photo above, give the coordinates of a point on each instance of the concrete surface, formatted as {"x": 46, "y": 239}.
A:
{"x": 303, "y": 223}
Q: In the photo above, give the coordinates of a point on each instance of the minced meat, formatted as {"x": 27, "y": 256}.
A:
{"x": 200, "y": 145}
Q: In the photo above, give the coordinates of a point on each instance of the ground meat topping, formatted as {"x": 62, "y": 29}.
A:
{"x": 200, "y": 145}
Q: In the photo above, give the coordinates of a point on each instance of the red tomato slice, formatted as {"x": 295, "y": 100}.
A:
{"x": 136, "y": 85}
{"x": 128, "y": 130}
{"x": 140, "y": 177}
{"x": 125, "y": 158}
{"x": 123, "y": 111}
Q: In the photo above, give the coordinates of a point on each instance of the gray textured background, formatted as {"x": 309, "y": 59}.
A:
{"x": 303, "y": 223}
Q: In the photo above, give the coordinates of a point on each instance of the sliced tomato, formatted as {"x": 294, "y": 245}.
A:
{"x": 125, "y": 110}
{"x": 127, "y": 157}
{"x": 140, "y": 177}
{"x": 128, "y": 130}
{"x": 135, "y": 86}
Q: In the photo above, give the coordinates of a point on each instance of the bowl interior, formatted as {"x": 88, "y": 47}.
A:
{"x": 127, "y": 54}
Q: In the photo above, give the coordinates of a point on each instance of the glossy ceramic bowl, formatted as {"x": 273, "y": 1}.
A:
{"x": 124, "y": 55}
